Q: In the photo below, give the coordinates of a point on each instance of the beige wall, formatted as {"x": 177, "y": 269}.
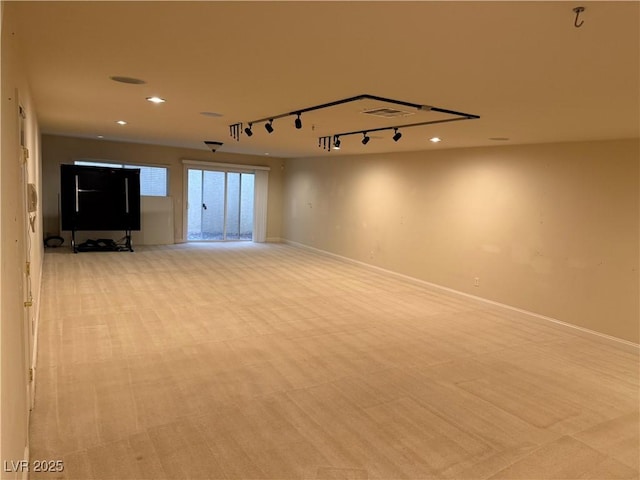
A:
{"x": 18, "y": 245}
{"x": 57, "y": 150}
{"x": 552, "y": 229}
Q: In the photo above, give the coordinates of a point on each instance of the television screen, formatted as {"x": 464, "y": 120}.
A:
{"x": 99, "y": 198}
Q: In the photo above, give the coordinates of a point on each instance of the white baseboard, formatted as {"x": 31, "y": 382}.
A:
{"x": 575, "y": 329}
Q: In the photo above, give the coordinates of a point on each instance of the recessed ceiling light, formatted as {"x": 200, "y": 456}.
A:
{"x": 211, "y": 114}
{"x": 266, "y": 153}
{"x": 156, "y": 100}
{"x": 121, "y": 122}
{"x": 129, "y": 80}
{"x": 435, "y": 139}
{"x": 100, "y": 136}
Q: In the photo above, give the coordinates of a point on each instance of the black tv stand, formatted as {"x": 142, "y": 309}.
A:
{"x": 102, "y": 244}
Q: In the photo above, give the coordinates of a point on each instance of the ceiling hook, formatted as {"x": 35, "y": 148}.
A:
{"x": 578, "y": 11}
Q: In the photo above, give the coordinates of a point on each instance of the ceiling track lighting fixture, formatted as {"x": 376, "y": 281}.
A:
{"x": 269, "y": 126}
{"x": 395, "y": 128}
{"x": 235, "y": 130}
{"x": 326, "y": 142}
{"x": 365, "y": 138}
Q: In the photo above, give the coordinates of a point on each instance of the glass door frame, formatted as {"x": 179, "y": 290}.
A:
{"x": 258, "y": 221}
{"x": 203, "y": 203}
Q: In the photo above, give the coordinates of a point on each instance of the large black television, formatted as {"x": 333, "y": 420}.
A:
{"x": 99, "y": 198}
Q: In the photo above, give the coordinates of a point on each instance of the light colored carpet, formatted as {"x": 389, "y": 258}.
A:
{"x": 251, "y": 361}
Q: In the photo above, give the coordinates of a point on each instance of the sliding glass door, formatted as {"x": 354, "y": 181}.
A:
{"x": 219, "y": 205}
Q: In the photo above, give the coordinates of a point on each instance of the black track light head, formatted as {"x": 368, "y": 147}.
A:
{"x": 269, "y": 126}
{"x": 298, "y": 121}
{"x": 365, "y": 138}
{"x": 248, "y": 130}
{"x": 336, "y": 142}
{"x": 397, "y": 135}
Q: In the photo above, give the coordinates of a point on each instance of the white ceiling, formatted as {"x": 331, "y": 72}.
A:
{"x": 530, "y": 74}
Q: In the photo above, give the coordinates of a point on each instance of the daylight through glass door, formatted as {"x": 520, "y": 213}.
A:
{"x": 220, "y": 205}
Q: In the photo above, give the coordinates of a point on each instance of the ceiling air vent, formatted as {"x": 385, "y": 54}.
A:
{"x": 387, "y": 112}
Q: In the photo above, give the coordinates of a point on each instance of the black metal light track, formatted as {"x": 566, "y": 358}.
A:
{"x": 235, "y": 129}
{"x": 326, "y": 144}
{"x": 408, "y": 125}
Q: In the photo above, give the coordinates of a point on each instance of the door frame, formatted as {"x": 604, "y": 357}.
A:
{"x": 29, "y": 316}
{"x": 221, "y": 167}
{"x": 202, "y": 195}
